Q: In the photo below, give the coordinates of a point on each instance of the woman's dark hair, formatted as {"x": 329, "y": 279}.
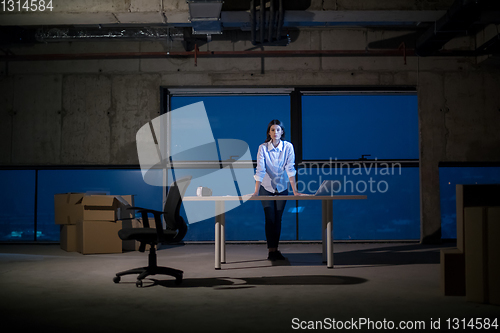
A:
{"x": 275, "y": 122}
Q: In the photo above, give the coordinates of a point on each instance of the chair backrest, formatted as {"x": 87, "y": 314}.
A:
{"x": 172, "y": 207}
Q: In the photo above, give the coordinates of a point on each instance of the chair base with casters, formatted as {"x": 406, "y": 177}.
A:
{"x": 151, "y": 269}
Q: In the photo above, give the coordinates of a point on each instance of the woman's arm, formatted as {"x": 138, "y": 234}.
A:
{"x": 257, "y": 187}
{"x": 290, "y": 170}
{"x": 294, "y": 186}
{"x": 260, "y": 172}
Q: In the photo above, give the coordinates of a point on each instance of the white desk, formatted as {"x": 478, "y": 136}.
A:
{"x": 327, "y": 220}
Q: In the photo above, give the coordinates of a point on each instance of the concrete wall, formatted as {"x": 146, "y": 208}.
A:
{"x": 88, "y": 111}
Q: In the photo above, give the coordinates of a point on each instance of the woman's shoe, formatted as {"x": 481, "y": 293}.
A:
{"x": 272, "y": 256}
{"x": 278, "y": 255}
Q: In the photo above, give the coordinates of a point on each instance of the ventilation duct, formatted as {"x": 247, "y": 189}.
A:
{"x": 205, "y": 16}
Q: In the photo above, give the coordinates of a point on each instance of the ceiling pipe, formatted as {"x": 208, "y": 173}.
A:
{"x": 271, "y": 21}
{"x": 199, "y": 54}
{"x": 281, "y": 15}
{"x": 401, "y": 52}
{"x": 274, "y": 25}
{"x": 262, "y": 16}
{"x": 253, "y": 21}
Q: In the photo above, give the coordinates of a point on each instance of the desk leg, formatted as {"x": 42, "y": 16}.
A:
{"x": 217, "y": 243}
{"x": 223, "y": 235}
{"x": 219, "y": 227}
{"x": 329, "y": 233}
{"x": 324, "y": 205}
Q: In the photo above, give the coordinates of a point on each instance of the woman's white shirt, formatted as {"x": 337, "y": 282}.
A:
{"x": 272, "y": 165}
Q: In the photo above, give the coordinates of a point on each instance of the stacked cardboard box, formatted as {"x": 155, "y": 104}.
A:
{"x": 90, "y": 223}
{"x": 482, "y": 272}
{"x": 66, "y": 212}
{"x": 472, "y": 268}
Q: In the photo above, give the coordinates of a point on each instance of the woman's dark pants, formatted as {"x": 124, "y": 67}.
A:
{"x": 273, "y": 209}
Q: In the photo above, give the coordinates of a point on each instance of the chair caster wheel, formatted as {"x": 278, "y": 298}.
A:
{"x": 116, "y": 279}
{"x": 138, "y": 283}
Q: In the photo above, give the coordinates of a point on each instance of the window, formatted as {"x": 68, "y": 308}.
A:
{"x": 349, "y": 126}
{"x": 235, "y": 117}
{"x": 368, "y": 142}
{"x": 17, "y": 198}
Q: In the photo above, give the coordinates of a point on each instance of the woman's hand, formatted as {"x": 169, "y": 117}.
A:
{"x": 294, "y": 187}
{"x": 300, "y": 194}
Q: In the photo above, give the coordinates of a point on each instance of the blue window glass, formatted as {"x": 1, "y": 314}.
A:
{"x": 348, "y": 126}
{"x": 113, "y": 182}
{"x": 449, "y": 177}
{"x": 17, "y": 205}
{"x": 238, "y": 117}
{"x": 391, "y": 211}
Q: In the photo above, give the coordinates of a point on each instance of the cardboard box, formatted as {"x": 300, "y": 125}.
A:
{"x": 475, "y": 256}
{"x": 72, "y": 207}
{"x": 493, "y": 252}
{"x": 482, "y": 270}
{"x": 99, "y": 207}
{"x": 65, "y": 209}
{"x": 98, "y": 237}
{"x": 133, "y": 245}
{"x": 460, "y": 217}
{"x": 452, "y": 282}
{"x": 478, "y": 224}
{"x": 105, "y": 207}
{"x": 473, "y": 195}
{"x": 68, "y": 237}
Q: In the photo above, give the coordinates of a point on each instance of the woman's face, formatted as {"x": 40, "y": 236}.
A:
{"x": 275, "y": 132}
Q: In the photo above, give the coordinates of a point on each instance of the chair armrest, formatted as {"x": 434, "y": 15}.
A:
{"x": 140, "y": 209}
{"x": 145, "y": 220}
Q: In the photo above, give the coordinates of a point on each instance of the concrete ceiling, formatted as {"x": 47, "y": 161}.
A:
{"x": 435, "y": 21}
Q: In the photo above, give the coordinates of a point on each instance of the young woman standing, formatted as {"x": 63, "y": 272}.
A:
{"x": 275, "y": 161}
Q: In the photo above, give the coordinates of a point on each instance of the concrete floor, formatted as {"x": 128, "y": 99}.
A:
{"x": 43, "y": 286}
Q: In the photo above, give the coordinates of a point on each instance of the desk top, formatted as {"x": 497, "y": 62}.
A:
{"x": 275, "y": 197}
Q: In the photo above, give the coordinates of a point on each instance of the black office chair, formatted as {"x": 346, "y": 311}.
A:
{"x": 174, "y": 233}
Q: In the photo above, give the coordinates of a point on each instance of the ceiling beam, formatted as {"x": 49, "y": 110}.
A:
{"x": 229, "y": 19}
{"x": 465, "y": 17}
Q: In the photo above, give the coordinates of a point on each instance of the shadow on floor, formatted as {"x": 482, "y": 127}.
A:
{"x": 252, "y": 282}
{"x": 410, "y": 254}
